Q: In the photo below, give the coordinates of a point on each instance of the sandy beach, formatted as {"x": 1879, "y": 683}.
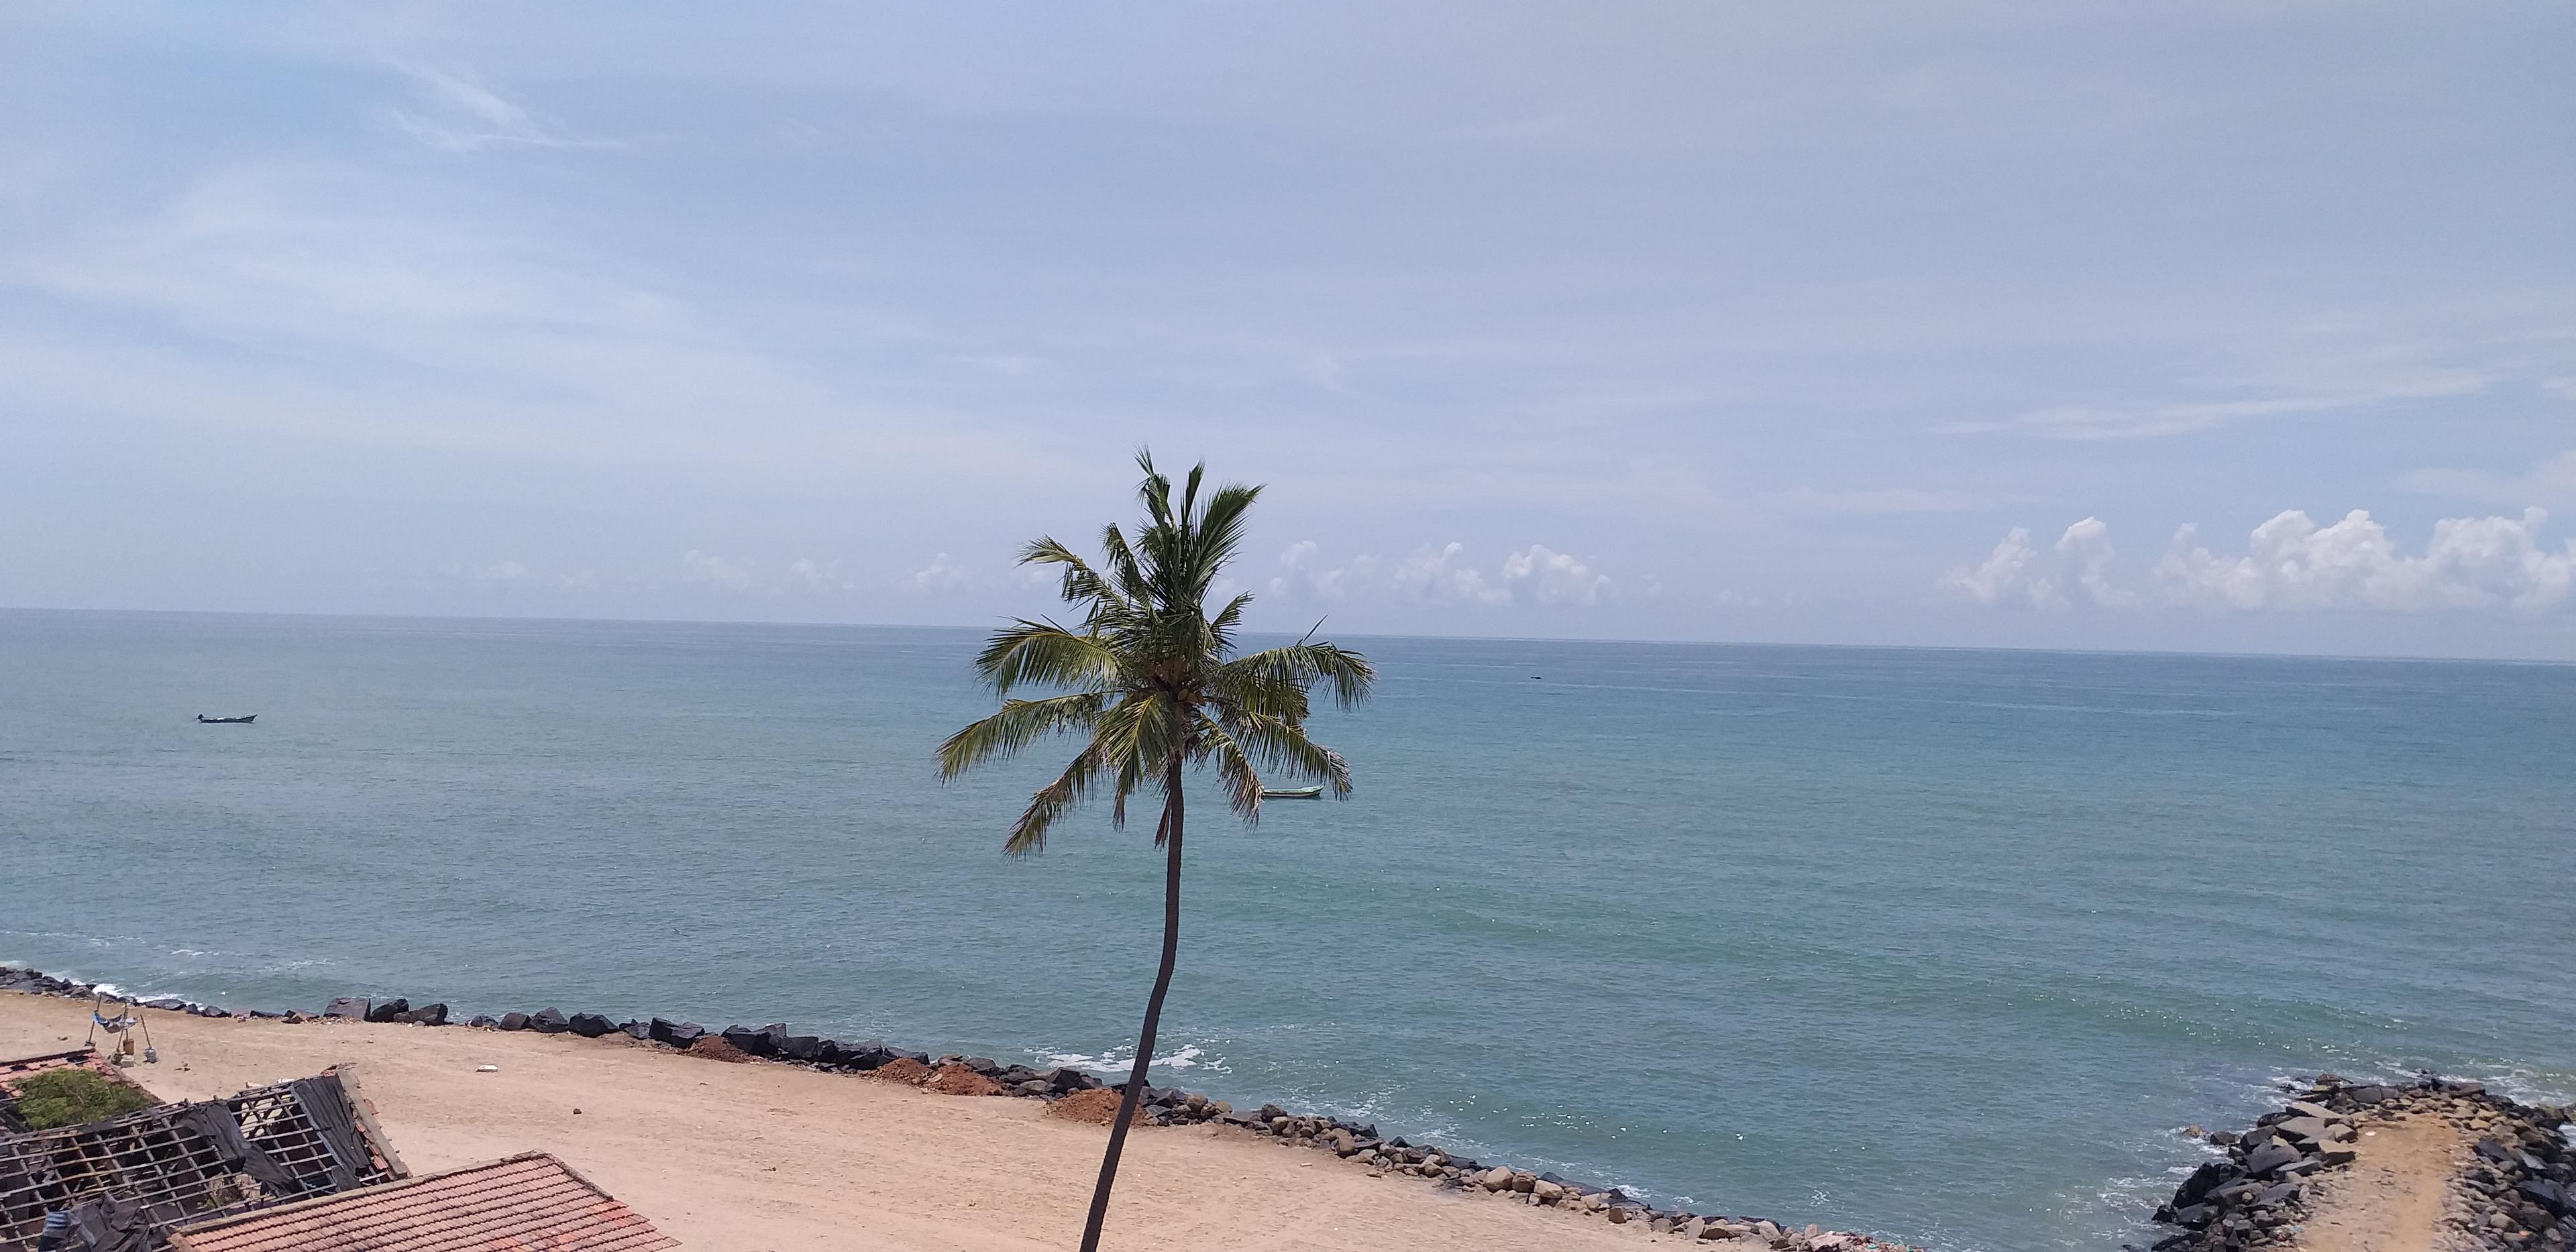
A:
{"x": 773, "y": 1158}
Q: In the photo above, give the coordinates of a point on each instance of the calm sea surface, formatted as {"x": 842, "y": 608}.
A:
{"x": 1944, "y": 945}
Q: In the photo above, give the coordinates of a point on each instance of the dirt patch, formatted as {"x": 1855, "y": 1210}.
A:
{"x": 1096, "y": 1107}
{"x": 714, "y": 1048}
{"x": 902, "y": 1069}
{"x": 2391, "y": 1201}
{"x": 956, "y": 1079}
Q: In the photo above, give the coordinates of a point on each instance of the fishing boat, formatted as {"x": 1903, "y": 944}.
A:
{"x": 226, "y": 721}
{"x": 1292, "y": 793}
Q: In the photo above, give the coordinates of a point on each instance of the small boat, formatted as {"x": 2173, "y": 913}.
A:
{"x": 225, "y": 721}
{"x": 1292, "y": 793}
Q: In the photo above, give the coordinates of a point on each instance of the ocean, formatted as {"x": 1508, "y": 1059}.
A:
{"x": 1944, "y": 945}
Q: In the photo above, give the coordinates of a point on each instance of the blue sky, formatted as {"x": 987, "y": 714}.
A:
{"x": 1991, "y": 324}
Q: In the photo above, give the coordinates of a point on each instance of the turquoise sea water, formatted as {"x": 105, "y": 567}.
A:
{"x": 1944, "y": 945}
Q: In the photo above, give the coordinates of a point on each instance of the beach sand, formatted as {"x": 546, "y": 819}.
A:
{"x": 772, "y": 1158}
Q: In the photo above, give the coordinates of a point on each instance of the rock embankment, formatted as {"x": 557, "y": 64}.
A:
{"x": 2510, "y": 1190}
{"x": 1360, "y": 1144}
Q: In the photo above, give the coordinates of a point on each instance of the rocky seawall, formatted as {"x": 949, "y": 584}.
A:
{"x": 1362, "y": 1144}
{"x": 2511, "y": 1189}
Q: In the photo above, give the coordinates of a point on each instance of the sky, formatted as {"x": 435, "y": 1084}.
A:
{"x": 2239, "y": 326}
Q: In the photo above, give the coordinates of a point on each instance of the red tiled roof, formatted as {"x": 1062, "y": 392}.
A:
{"x": 531, "y": 1203}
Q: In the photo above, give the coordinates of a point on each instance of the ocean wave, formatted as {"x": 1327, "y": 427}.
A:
{"x": 1120, "y": 1061}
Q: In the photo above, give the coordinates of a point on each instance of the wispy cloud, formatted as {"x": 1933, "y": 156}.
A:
{"x": 1443, "y": 575}
{"x": 2552, "y": 481}
{"x": 459, "y": 113}
{"x": 2150, "y": 419}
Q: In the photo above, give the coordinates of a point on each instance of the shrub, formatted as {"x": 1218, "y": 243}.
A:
{"x": 68, "y": 1097}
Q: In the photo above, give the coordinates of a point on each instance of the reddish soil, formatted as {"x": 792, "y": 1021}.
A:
{"x": 902, "y": 1069}
{"x": 714, "y": 1048}
{"x": 956, "y": 1079}
{"x": 1095, "y": 1107}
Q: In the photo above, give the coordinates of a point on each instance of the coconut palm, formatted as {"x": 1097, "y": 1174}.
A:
{"x": 1150, "y": 682}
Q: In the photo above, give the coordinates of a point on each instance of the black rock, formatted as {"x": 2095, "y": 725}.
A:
{"x": 2548, "y": 1195}
{"x": 801, "y": 1048}
{"x": 776, "y": 1034}
{"x": 354, "y": 1008}
{"x": 2494, "y": 1151}
{"x": 633, "y": 1030}
{"x": 2278, "y": 1193}
{"x": 389, "y": 1010}
{"x": 588, "y": 1025}
{"x": 676, "y": 1034}
{"x": 513, "y": 1021}
{"x": 484, "y": 1020}
{"x": 2270, "y": 1157}
{"x": 2209, "y": 1177}
{"x": 2373, "y": 1094}
{"x": 549, "y": 1021}
{"x": 2196, "y": 1216}
{"x": 748, "y": 1039}
{"x": 427, "y": 1015}
{"x": 984, "y": 1065}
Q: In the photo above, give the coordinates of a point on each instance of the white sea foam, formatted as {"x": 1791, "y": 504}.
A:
{"x": 1119, "y": 1061}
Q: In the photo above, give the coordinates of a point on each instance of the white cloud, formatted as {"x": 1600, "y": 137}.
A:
{"x": 1548, "y": 577}
{"x": 715, "y": 571}
{"x": 2088, "y": 543}
{"x": 1304, "y": 574}
{"x": 942, "y": 574}
{"x": 2291, "y": 563}
{"x": 2004, "y": 577}
{"x": 1443, "y": 575}
{"x": 807, "y": 574}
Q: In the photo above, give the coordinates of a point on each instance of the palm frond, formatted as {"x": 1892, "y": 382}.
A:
{"x": 1235, "y": 768}
{"x": 1301, "y": 665}
{"x": 1046, "y": 654}
{"x": 1018, "y": 724}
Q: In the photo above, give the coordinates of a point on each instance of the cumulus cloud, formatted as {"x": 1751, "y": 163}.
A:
{"x": 1548, "y": 577}
{"x": 710, "y": 570}
{"x": 2292, "y": 563}
{"x": 808, "y": 574}
{"x": 2006, "y": 577}
{"x": 1444, "y": 575}
{"x": 942, "y": 574}
{"x": 2088, "y": 544}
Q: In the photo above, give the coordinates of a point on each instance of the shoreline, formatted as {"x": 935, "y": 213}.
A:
{"x": 2499, "y": 1175}
{"x": 1381, "y": 1156}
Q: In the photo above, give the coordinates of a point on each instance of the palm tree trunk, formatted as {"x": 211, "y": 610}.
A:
{"x": 1135, "y": 1092}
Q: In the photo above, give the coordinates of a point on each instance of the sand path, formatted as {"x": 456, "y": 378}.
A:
{"x": 2391, "y": 1198}
{"x": 769, "y": 1158}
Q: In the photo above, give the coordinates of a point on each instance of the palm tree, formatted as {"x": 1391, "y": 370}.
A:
{"x": 1152, "y": 684}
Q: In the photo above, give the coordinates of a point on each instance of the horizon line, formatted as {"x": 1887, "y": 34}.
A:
{"x": 2210, "y": 653}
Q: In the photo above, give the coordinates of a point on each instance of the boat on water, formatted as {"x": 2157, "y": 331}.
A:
{"x": 1292, "y": 793}
{"x": 226, "y": 721}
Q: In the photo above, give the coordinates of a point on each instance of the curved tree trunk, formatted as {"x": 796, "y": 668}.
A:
{"x": 1135, "y": 1092}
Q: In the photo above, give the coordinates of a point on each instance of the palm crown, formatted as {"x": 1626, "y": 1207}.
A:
{"x": 1150, "y": 678}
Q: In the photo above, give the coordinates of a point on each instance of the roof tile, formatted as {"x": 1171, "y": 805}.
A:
{"x": 523, "y": 1204}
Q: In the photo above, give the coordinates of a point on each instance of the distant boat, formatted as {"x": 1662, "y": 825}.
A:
{"x": 226, "y": 721}
{"x": 1292, "y": 793}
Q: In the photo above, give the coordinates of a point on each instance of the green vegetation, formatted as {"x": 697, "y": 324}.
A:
{"x": 69, "y": 1097}
{"x": 1151, "y": 683}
